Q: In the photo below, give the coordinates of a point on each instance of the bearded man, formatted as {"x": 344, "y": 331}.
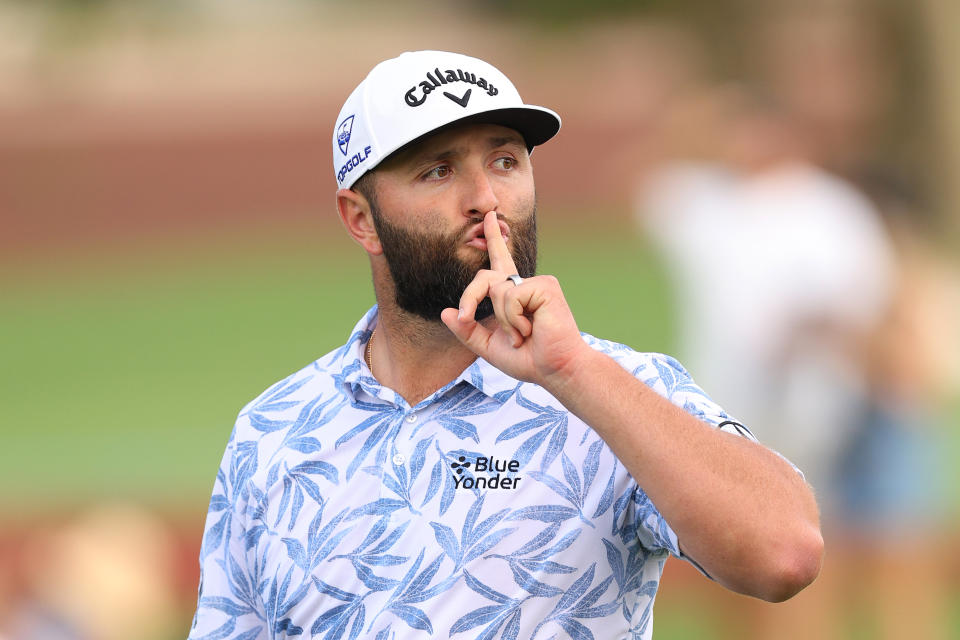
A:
{"x": 469, "y": 463}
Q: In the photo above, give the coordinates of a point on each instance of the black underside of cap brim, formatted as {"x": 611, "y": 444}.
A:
{"x": 534, "y": 125}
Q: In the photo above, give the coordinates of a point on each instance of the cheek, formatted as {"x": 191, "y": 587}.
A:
{"x": 522, "y": 193}
{"x": 410, "y": 216}
{"x": 523, "y": 203}
{"x": 424, "y": 214}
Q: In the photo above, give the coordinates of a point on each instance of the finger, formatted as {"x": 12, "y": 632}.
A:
{"x": 534, "y": 293}
{"x": 476, "y": 291}
{"x": 518, "y": 316}
{"x": 511, "y": 308}
{"x": 508, "y": 311}
{"x": 500, "y": 258}
{"x": 523, "y": 301}
{"x": 489, "y": 283}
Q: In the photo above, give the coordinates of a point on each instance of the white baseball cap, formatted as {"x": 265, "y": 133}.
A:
{"x": 406, "y": 97}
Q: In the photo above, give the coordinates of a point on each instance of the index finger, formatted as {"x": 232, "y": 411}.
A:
{"x": 500, "y": 258}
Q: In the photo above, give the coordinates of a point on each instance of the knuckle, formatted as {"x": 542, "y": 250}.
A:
{"x": 479, "y": 281}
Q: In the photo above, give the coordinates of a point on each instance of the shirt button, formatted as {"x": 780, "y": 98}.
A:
{"x": 398, "y": 459}
{"x": 412, "y": 417}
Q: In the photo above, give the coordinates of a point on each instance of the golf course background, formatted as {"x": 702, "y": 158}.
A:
{"x": 169, "y": 244}
{"x": 130, "y": 369}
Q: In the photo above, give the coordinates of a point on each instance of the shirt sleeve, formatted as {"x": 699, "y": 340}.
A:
{"x": 678, "y": 387}
{"x": 228, "y": 605}
{"x": 667, "y": 377}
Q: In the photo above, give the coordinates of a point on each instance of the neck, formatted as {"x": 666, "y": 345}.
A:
{"x": 413, "y": 356}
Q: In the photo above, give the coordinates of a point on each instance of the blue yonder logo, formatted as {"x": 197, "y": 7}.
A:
{"x": 343, "y": 134}
{"x": 498, "y": 474}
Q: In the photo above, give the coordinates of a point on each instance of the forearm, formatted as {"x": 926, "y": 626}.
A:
{"x": 739, "y": 510}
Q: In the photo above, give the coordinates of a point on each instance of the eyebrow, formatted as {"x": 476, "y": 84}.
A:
{"x": 499, "y": 141}
{"x": 492, "y": 143}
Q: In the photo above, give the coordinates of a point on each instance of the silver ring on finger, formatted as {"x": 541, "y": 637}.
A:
{"x": 515, "y": 279}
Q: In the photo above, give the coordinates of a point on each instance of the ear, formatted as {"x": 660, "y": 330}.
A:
{"x": 354, "y": 210}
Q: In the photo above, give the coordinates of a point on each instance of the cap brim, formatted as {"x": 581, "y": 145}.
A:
{"x": 535, "y": 124}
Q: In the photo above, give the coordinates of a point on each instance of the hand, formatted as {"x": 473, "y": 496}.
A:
{"x": 535, "y": 337}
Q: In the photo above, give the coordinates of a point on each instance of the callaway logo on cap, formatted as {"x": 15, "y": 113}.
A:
{"x": 418, "y": 92}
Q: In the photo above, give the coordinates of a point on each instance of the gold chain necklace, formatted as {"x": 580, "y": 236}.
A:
{"x": 369, "y": 354}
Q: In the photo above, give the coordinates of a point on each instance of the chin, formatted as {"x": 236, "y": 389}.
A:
{"x": 476, "y": 259}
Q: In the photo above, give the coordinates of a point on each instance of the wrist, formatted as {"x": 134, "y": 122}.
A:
{"x": 575, "y": 371}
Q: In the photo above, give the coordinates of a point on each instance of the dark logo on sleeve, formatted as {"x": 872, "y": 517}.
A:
{"x": 487, "y": 473}
{"x": 435, "y": 79}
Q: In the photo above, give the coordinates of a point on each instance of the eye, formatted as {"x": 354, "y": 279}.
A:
{"x": 505, "y": 163}
{"x": 437, "y": 173}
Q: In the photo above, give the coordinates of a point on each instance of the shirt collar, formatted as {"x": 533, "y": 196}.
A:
{"x": 353, "y": 374}
{"x": 489, "y": 380}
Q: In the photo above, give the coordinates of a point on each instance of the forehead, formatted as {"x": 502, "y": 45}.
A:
{"x": 453, "y": 139}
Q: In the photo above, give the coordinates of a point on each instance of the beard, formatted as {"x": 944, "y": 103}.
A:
{"x": 429, "y": 275}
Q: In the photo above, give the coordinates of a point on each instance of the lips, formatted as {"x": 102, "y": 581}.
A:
{"x": 475, "y": 236}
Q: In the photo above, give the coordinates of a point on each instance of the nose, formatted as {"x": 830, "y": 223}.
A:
{"x": 480, "y": 196}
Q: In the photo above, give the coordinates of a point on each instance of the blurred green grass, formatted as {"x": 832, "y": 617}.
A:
{"x": 122, "y": 375}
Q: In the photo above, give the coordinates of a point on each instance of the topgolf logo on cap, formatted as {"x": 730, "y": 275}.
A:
{"x": 343, "y": 134}
{"x": 437, "y": 78}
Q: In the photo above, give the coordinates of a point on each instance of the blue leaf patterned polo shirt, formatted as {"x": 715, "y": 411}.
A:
{"x": 485, "y": 511}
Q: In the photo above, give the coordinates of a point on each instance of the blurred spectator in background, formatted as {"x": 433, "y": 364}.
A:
{"x": 790, "y": 272}
{"x": 782, "y": 269}
{"x": 107, "y": 574}
{"x": 892, "y": 474}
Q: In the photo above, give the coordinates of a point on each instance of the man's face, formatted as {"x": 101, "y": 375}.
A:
{"x": 428, "y": 211}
